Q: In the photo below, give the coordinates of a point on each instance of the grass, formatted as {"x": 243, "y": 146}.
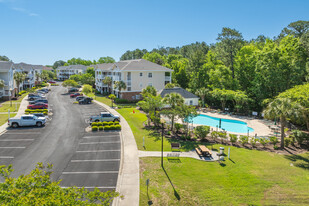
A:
{"x": 251, "y": 178}
{"x": 101, "y": 98}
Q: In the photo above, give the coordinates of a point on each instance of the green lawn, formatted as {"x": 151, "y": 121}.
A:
{"x": 252, "y": 178}
{"x": 101, "y": 98}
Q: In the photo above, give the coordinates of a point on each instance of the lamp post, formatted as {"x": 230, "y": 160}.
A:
{"x": 162, "y": 123}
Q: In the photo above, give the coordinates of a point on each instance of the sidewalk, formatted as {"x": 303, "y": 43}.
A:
{"x": 128, "y": 177}
{"x": 21, "y": 110}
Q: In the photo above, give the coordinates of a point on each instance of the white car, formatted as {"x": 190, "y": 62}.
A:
{"x": 27, "y": 120}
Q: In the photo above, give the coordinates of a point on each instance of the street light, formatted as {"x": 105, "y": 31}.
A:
{"x": 162, "y": 122}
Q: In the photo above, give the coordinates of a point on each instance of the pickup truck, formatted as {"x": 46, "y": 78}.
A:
{"x": 105, "y": 117}
{"x": 27, "y": 120}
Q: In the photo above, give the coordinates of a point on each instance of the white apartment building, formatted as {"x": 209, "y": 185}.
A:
{"x": 6, "y": 74}
{"x": 64, "y": 72}
{"x": 136, "y": 74}
{"x": 31, "y": 71}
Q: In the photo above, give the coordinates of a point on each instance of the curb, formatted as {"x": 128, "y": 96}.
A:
{"x": 128, "y": 176}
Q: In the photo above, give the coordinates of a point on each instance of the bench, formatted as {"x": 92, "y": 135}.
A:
{"x": 175, "y": 146}
{"x": 198, "y": 151}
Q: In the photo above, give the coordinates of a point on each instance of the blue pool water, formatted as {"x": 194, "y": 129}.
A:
{"x": 229, "y": 125}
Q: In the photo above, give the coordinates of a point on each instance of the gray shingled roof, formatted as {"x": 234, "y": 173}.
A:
{"x": 78, "y": 66}
{"x": 23, "y": 66}
{"x": 133, "y": 65}
{"x": 5, "y": 65}
{"x": 184, "y": 93}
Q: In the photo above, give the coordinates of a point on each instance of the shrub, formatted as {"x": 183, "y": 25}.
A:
{"x": 287, "y": 142}
{"x": 263, "y": 141}
{"x": 94, "y": 128}
{"x": 106, "y": 127}
{"x": 94, "y": 124}
{"x": 45, "y": 113}
{"x": 253, "y": 141}
{"x": 27, "y": 110}
{"x": 116, "y": 123}
{"x": 121, "y": 101}
{"x": 110, "y": 123}
{"x": 299, "y": 136}
{"x": 244, "y": 139}
{"x": 105, "y": 123}
{"x": 169, "y": 132}
{"x": 112, "y": 127}
{"x": 201, "y": 131}
{"x": 274, "y": 140}
{"x": 214, "y": 135}
{"x": 178, "y": 126}
{"x": 222, "y": 135}
{"x": 276, "y": 147}
{"x": 100, "y": 127}
{"x": 118, "y": 127}
{"x": 99, "y": 124}
{"x": 233, "y": 138}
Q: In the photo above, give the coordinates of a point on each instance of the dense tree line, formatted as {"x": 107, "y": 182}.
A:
{"x": 80, "y": 61}
{"x": 262, "y": 68}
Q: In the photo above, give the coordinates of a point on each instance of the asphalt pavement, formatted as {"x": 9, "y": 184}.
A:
{"x": 79, "y": 158}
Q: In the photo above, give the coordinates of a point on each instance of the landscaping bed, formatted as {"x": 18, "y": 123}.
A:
{"x": 104, "y": 126}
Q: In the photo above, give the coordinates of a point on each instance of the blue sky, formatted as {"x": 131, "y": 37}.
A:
{"x": 41, "y": 31}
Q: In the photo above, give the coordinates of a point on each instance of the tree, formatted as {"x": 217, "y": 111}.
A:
{"x": 186, "y": 113}
{"x": 150, "y": 105}
{"x": 107, "y": 59}
{"x": 202, "y": 92}
{"x": 4, "y": 58}
{"x": 2, "y": 83}
{"x": 87, "y": 89}
{"x": 69, "y": 83}
{"x": 297, "y": 29}
{"x": 149, "y": 90}
{"x": 222, "y": 95}
{"x": 37, "y": 76}
{"x": 90, "y": 70}
{"x": 119, "y": 85}
{"x": 19, "y": 77}
{"x": 174, "y": 101}
{"x": 76, "y": 77}
{"x": 112, "y": 97}
{"x": 51, "y": 74}
{"x": 108, "y": 81}
{"x": 230, "y": 41}
{"x": 58, "y": 64}
{"x": 87, "y": 79}
{"x": 169, "y": 86}
{"x": 37, "y": 188}
{"x": 282, "y": 108}
{"x": 154, "y": 57}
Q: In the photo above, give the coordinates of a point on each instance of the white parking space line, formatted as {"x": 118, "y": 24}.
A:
{"x": 103, "y": 160}
{"x": 87, "y": 137}
{"x": 15, "y": 140}
{"x": 91, "y": 172}
{"x": 91, "y": 187}
{"x": 12, "y": 147}
{"x": 23, "y": 133}
{"x": 116, "y": 150}
{"x": 6, "y": 157}
{"x": 99, "y": 142}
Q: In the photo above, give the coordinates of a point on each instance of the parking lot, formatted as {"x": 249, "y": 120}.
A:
{"x": 80, "y": 158}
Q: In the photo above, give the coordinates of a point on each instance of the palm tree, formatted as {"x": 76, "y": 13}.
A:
{"x": 174, "y": 100}
{"x": 2, "y": 83}
{"x": 37, "y": 77}
{"x": 282, "y": 108}
{"x": 202, "y": 92}
{"x": 108, "y": 81}
{"x": 120, "y": 85}
{"x": 19, "y": 77}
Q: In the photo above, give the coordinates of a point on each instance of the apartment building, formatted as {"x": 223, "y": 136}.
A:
{"x": 136, "y": 74}
{"x": 6, "y": 74}
{"x": 64, "y": 72}
{"x": 31, "y": 71}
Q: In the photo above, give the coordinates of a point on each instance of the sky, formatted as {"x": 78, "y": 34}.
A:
{"x": 42, "y": 31}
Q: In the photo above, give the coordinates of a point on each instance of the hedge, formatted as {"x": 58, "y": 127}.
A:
{"x": 100, "y": 127}
{"x": 94, "y": 128}
{"x": 99, "y": 123}
{"x": 112, "y": 127}
{"x": 94, "y": 124}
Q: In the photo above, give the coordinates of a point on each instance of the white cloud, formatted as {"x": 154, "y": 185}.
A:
{"x": 25, "y": 11}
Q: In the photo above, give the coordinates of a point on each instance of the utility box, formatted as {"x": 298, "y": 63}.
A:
{"x": 221, "y": 150}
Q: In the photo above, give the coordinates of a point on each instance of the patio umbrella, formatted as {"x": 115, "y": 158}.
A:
{"x": 220, "y": 123}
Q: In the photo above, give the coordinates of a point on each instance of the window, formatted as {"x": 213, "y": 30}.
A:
{"x": 149, "y": 84}
{"x": 150, "y": 75}
{"x": 129, "y": 88}
{"x": 138, "y": 96}
{"x": 141, "y": 74}
{"x": 133, "y": 97}
{"x": 141, "y": 85}
{"x": 191, "y": 102}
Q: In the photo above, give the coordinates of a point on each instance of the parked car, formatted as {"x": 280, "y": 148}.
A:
{"x": 44, "y": 91}
{"x": 38, "y": 106}
{"x": 73, "y": 89}
{"x": 86, "y": 100}
{"x": 52, "y": 82}
{"x": 75, "y": 95}
{"x": 39, "y": 100}
{"x": 27, "y": 120}
{"x": 80, "y": 98}
{"x": 104, "y": 117}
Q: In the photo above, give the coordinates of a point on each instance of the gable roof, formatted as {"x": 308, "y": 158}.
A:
{"x": 132, "y": 65}
{"x": 27, "y": 67}
{"x": 77, "y": 66}
{"x": 5, "y": 65}
{"x": 184, "y": 93}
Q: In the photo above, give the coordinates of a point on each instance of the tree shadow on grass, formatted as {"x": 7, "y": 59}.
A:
{"x": 175, "y": 192}
{"x": 189, "y": 145}
{"x": 299, "y": 161}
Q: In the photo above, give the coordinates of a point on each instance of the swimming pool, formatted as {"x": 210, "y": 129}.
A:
{"x": 229, "y": 125}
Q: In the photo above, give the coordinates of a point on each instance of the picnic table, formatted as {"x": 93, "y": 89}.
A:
{"x": 204, "y": 150}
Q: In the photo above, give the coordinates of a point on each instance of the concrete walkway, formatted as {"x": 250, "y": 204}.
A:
{"x": 128, "y": 178}
{"x": 21, "y": 111}
{"x": 191, "y": 154}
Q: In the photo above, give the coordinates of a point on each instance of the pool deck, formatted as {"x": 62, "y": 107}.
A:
{"x": 260, "y": 129}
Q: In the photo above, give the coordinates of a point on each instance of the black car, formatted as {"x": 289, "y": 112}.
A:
{"x": 73, "y": 90}
{"x": 86, "y": 100}
{"x": 80, "y": 98}
{"x": 39, "y": 100}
